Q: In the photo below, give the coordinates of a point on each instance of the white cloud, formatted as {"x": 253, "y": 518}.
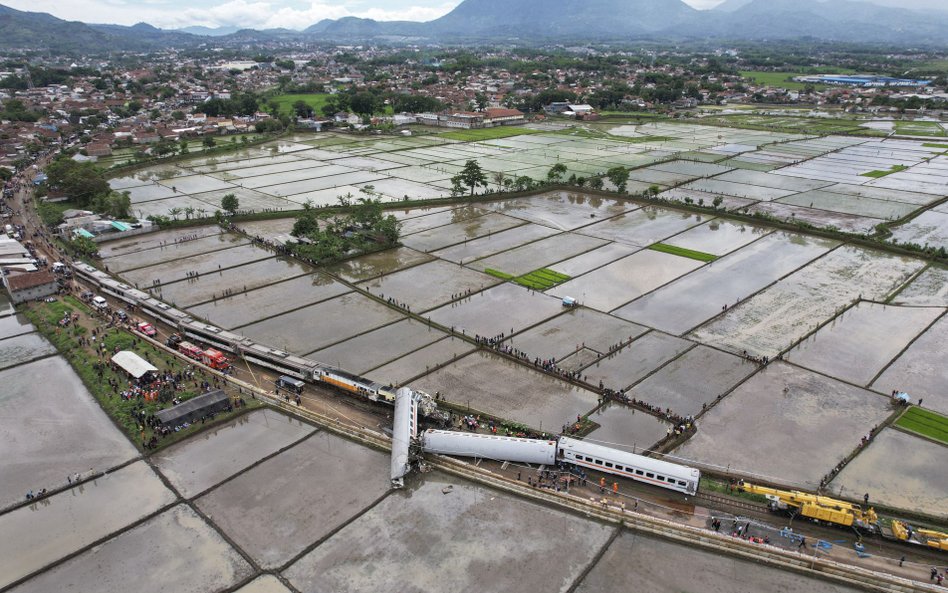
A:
{"x": 251, "y": 14}
{"x": 703, "y": 4}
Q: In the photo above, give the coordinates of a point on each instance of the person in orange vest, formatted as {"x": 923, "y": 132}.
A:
{"x": 615, "y": 487}
{"x": 602, "y": 485}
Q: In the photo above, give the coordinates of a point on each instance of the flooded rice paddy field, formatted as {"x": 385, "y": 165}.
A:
{"x": 839, "y": 349}
{"x": 402, "y": 370}
{"x": 784, "y": 284}
{"x": 676, "y": 309}
{"x": 170, "y": 251}
{"x": 920, "y": 370}
{"x": 633, "y": 362}
{"x": 429, "y": 285}
{"x": 437, "y": 541}
{"x": 644, "y": 226}
{"x": 380, "y": 346}
{"x": 624, "y": 280}
{"x": 58, "y": 525}
{"x": 205, "y": 263}
{"x": 912, "y": 480}
{"x": 23, "y": 348}
{"x": 14, "y": 325}
{"x": 543, "y": 253}
{"x": 928, "y": 289}
{"x": 787, "y": 424}
{"x": 487, "y": 382}
{"x": 626, "y": 428}
{"x": 928, "y": 228}
{"x": 661, "y": 566}
{"x": 693, "y": 380}
{"x": 267, "y": 301}
{"x": 573, "y": 330}
{"x": 718, "y": 237}
{"x": 281, "y": 175}
{"x": 469, "y": 229}
{"x": 52, "y": 432}
{"x": 278, "y": 508}
{"x": 174, "y": 551}
{"x": 207, "y": 287}
{"x": 214, "y": 455}
{"x": 769, "y": 322}
{"x": 316, "y": 326}
{"x": 493, "y": 243}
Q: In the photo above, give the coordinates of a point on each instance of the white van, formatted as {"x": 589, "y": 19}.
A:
{"x": 99, "y": 302}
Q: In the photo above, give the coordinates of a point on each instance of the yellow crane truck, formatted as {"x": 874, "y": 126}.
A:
{"x": 846, "y": 514}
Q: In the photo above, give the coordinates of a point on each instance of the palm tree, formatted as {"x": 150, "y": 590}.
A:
{"x": 174, "y": 213}
{"x": 188, "y": 212}
{"x": 202, "y": 212}
{"x": 499, "y": 177}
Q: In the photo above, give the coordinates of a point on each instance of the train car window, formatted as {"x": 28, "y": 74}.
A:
{"x": 662, "y": 478}
{"x": 608, "y": 464}
{"x": 638, "y": 472}
{"x": 680, "y": 483}
{"x": 649, "y": 475}
{"x": 620, "y": 468}
{"x": 598, "y": 462}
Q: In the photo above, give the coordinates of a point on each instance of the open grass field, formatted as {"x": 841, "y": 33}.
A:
{"x": 315, "y": 100}
{"x": 784, "y": 79}
{"x": 935, "y": 145}
{"x": 925, "y": 422}
{"x": 777, "y": 79}
{"x": 682, "y": 252}
{"x": 487, "y": 133}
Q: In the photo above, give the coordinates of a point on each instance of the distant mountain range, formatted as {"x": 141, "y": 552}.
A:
{"x": 526, "y": 21}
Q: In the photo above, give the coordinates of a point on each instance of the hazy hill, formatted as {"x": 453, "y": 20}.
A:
{"x": 526, "y": 20}
{"x": 840, "y": 20}
{"x": 561, "y": 18}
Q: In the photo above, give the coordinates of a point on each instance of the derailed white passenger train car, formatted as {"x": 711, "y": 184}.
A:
{"x": 404, "y": 431}
{"x": 488, "y": 446}
{"x": 656, "y": 472}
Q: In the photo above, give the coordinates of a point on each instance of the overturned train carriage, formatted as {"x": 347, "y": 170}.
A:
{"x": 487, "y": 446}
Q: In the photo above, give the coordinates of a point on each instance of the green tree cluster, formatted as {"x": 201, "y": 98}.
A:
{"x": 83, "y": 183}
{"x": 362, "y": 225}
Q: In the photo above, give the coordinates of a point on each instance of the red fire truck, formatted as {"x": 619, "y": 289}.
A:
{"x": 190, "y": 350}
{"x": 215, "y": 359}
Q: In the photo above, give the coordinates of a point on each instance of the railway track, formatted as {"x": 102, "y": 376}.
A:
{"x": 745, "y": 505}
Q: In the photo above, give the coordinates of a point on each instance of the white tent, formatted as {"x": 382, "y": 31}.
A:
{"x": 133, "y": 364}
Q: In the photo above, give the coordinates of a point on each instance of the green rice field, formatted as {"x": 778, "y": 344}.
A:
{"x": 682, "y": 252}
{"x": 925, "y": 422}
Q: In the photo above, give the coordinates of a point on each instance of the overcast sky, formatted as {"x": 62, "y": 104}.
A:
{"x": 264, "y": 14}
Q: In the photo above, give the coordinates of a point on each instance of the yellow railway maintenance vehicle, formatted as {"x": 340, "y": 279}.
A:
{"x": 902, "y": 531}
{"x": 816, "y": 507}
